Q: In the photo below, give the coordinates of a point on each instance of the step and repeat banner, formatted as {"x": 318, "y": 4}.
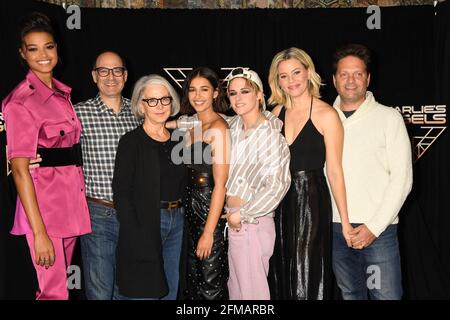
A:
{"x": 411, "y": 50}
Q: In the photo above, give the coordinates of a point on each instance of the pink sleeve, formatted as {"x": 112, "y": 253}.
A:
{"x": 21, "y": 131}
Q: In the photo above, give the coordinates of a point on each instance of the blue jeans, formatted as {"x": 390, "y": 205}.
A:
{"x": 172, "y": 221}
{"x": 98, "y": 251}
{"x": 373, "y": 272}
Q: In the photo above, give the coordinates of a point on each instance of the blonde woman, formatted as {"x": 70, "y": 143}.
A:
{"x": 301, "y": 265}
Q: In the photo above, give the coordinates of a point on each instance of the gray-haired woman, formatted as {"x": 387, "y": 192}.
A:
{"x": 148, "y": 189}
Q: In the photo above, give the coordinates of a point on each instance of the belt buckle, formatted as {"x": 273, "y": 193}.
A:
{"x": 202, "y": 181}
{"x": 173, "y": 204}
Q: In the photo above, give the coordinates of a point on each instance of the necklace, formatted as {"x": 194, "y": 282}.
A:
{"x": 256, "y": 123}
{"x": 251, "y": 129}
{"x": 161, "y": 137}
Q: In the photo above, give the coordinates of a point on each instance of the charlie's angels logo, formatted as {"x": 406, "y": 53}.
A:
{"x": 178, "y": 75}
{"x": 426, "y": 123}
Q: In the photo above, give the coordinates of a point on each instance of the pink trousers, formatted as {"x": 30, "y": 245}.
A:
{"x": 249, "y": 251}
{"x": 53, "y": 281}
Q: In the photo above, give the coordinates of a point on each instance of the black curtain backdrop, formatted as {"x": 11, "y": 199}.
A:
{"x": 411, "y": 67}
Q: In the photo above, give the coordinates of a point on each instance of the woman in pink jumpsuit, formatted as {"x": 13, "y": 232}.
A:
{"x": 51, "y": 206}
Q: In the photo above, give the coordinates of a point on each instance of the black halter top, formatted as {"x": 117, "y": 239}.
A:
{"x": 308, "y": 148}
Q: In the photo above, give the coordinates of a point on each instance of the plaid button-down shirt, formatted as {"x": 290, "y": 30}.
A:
{"x": 100, "y": 135}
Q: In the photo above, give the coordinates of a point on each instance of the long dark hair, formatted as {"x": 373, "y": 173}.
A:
{"x": 219, "y": 103}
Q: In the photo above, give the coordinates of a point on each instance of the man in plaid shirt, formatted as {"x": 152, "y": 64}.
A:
{"x": 105, "y": 119}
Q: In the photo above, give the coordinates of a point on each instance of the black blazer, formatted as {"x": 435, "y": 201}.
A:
{"x": 136, "y": 187}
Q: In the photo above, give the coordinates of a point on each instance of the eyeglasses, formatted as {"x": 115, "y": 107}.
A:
{"x": 153, "y": 102}
{"x": 104, "y": 72}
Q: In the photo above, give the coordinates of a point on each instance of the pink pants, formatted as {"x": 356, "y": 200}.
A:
{"x": 249, "y": 251}
{"x": 53, "y": 281}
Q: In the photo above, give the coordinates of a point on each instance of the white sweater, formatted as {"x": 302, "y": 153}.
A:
{"x": 377, "y": 164}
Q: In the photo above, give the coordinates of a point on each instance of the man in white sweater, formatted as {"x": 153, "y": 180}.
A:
{"x": 378, "y": 177}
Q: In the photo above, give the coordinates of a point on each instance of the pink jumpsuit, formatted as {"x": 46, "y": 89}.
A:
{"x": 39, "y": 117}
